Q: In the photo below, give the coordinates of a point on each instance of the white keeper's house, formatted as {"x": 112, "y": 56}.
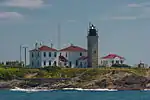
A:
{"x": 111, "y": 59}
{"x": 43, "y": 56}
{"x": 71, "y": 56}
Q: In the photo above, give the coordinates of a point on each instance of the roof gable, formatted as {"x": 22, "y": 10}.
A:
{"x": 62, "y": 58}
{"x": 74, "y": 49}
{"x": 112, "y": 56}
{"x": 44, "y": 48}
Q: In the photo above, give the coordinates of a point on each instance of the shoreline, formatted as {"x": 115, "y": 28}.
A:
{"x": 72, "y": 89}
{"x": 87, "y": 79}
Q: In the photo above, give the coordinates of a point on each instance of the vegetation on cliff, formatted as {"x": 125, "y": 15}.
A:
{"x": 57, "y": 72}
{"x": 78, "y": 77}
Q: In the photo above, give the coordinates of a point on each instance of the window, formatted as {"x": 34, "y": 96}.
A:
{"x": 49, "y": 54}
{"x": 65, "y": 63}
{"x": 66, "y": 54}
{"x": 38, "y": 54}
{"x": 84, "y": 63}
{"x": 95, "y": 52}
{"x": 54, "y": 63}
{"x": 49, "y": 63}
{"x": 55, "y": 54}
{"x": 80, "y": 53}
{"x": 32, "y": 63}
{"x": 113, "y": 62}
{"x": 117, "y": 62}
{"x": 32, "y": 55}
{"x": 121, "y": 61}
{"x": 70, "y": 64}
{"x": 80, "y": 64}
{"x": 44, "y": 54}
{"x": 44, "y": 63}
{"x": 38, "y": 63}
{"x": 76, "y": 62}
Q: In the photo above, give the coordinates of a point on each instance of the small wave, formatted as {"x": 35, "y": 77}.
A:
{"x": 28, "y": 90}
{"x": 40, "y": 90}
{"x": 80, "y": 89}
{"x": 146, "y": 90}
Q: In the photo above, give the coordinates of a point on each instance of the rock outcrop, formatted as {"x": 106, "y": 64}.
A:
{"x": 113, "y": 80}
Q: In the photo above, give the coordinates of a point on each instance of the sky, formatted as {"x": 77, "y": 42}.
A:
{"x": 123, "y": 26}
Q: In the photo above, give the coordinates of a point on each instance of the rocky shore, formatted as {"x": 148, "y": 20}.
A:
{"x": 113, "y": 80}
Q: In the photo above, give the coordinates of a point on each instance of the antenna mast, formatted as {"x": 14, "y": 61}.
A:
{"x": 59, "y": 35}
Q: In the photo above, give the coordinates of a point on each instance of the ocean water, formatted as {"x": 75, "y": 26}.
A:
{"x": 75, "y": 95}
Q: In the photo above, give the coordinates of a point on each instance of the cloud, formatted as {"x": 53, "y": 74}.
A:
{"x": 71, "y": 21}
{"x": 137, "y": 5}
{"x": 124, "y": 18}
{"x": 142, "y": 8}
{"x": 134, "y": 5}
{"x": 142, "y": 16}
{"x": 10, "y": 15}
{"x": 133, "y": 11}
{"x": 24, "y": 3}
{"x": 119, "y": 18}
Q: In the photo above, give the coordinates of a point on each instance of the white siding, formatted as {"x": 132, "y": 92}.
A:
{"x": 108, "y": 62}
{"x": 72, "y": 57}
{"x": 48, "y": 58}
{"x": 35, "y": 59}
{"x": 38, "y": 61}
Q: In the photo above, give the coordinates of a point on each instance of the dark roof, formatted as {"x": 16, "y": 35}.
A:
{"x": 44, "y": 48}
{"x": 63, "y": 59}
{"x": 74, "y": 49}
{"x": 92, "y": 31}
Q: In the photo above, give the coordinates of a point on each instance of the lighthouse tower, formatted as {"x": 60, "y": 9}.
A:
{"x": 92, "y": 46}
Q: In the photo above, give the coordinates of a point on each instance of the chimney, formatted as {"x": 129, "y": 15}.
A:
{"x": 41, "y": 44}
{"x": 36, "y": 46}
{"x": 51, "y": 45}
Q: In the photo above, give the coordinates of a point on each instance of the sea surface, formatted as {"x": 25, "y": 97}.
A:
{"x": 75, "y": 95}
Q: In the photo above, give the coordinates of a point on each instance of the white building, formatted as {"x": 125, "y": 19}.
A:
{"x": 43, "y": 56}
{"x": 112, "y": 59}
{"x": 72, "y": 56}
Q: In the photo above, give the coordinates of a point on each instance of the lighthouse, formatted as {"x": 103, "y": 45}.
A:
{"x": 92, "y": 46}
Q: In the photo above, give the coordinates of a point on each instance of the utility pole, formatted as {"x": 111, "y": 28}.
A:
{"x": 20, "y": 54}
{"x": 59, "y": 38}
{"x": 51, "y": 45}
{"x": 25, "y": 55}
{"x": 59, "y": 35}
